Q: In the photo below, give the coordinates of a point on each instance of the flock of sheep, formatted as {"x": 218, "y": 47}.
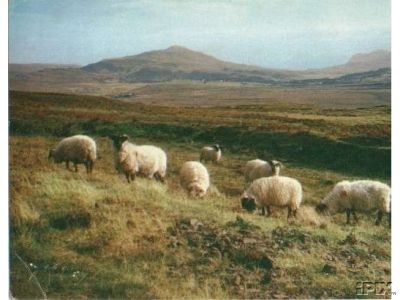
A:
{"x": 266, "y": 187}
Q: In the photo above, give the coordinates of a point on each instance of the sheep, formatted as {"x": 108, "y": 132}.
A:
{"x": 277, "y": 191}
{"x": 361, "y": 195}
{"x": 194, "y": 178}
{"x": 125, "y": 158}
{"x": 151, "y": 161}
{"x": 258, "y": 168}
{"x": 78, "y": 149}
{"x": 211, "y": 153}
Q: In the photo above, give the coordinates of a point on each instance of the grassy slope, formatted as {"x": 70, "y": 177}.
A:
{"x": 142, "y": 241}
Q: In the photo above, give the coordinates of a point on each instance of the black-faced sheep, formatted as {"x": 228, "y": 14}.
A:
{"x": 277, "y": 191}
{"x": 258, "y": 168}
{"x": 151, "y": 161}
{"x": 211, "y": 153}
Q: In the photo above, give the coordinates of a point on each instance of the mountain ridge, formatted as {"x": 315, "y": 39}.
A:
{"x": 178, "y": 62}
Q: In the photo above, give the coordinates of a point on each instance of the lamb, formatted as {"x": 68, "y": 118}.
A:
{"x": 78, "y": 149}
{"x": 277, "y": 191}
{"x": 145, "y": 160}
{"x": 194, "y": 178}
{"x": 361, "y": 195}
{"x": 211, "y": 153}
{"x": 258, "y": 168}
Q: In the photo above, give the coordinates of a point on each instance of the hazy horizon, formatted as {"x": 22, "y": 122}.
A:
{"x": 273, "y": 34}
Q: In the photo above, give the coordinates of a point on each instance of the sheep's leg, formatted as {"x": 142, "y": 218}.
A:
{"x": 76, "y": 167}
{"x": 158, "y": 177}
{"x": 268, "y": 211}
{"x": 289, "y": 212}
{"x": 379, "y": 218}
{"x": 348, "y": 216}
{"x": 132, "y": 176}
{"x": 263, "y": 211}
{"x": 67, "y": 165}
{"x": 128, "y": 177}
{"x": 91, "y": 166}
{"x": 294, "y": 213}
{"x": 354, "y": 215}
{"x": 87, "y": 166}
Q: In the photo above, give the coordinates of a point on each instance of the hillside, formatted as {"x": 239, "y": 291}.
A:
{"x": 77, "y": 236}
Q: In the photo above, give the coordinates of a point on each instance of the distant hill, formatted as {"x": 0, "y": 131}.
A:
{"x": 177, "y": 62}
{"x": 361, "y": 62}
{"x": 380, "y": 78}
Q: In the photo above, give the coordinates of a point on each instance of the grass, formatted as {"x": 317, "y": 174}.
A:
{"x": 99, "y": 237}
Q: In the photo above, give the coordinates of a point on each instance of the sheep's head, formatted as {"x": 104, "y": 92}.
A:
{"x": 217, "y": 147}
{"x": 321, "y": 208}
{"x": 196, "y": 191}
{"x": 248, "y": 203}
{"x": 275, "y": 166}
{"x": 118, "y": 140}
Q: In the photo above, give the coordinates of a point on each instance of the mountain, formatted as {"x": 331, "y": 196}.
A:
{"x": 358, "y": 63}
{"x": 177, "y": 62}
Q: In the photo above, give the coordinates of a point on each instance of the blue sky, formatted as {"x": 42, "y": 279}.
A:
{"x": 292, "y": 34}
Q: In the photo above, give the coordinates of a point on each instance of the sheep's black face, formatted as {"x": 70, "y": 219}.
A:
{"x": 248, "y": 204}
{"x": 118, "y": 140}
{"x": 320, "y": 208}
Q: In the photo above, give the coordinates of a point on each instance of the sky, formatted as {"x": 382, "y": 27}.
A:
{"x": 286, "y": 34}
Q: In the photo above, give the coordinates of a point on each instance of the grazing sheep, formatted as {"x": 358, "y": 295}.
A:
{"x": 194, "y": 178}
{"x": 78, "y": 149}
{"x": 361, "y": 195}
{"x": 151, "y": 161}
{"x": 258, "y": 168}
{"x": 277, "y": 191}
{"x": 211, "y": 153}
{"x": 125, "y": 158}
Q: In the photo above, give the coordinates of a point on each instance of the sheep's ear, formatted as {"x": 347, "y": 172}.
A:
{"x": 343, "y": 194}
{"x": 124, "y": 137}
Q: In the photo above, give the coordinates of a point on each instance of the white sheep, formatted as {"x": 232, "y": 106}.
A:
{"x": 277, "y": 191}
{"x": 126, "y": 161}
{"x": 151, "y": 161}
{"x": 211, "y": 153}
{"x": 258, "y": 168}
{"x": 78, "y": 149}
{"x": 194, "y": 178}
{"x": 361, "y": 195}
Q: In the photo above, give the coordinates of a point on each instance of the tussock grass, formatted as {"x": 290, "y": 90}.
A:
{"x": 97, "y": 236}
